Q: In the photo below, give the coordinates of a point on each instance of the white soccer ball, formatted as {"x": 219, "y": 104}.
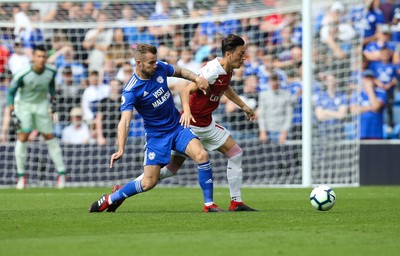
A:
{"x": 323, "y": 198}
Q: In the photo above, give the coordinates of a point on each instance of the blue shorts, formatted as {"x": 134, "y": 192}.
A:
{"x": 159, "y": 146}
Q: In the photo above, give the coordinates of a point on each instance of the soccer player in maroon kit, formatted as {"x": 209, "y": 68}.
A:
{"x": 197, "y": 113}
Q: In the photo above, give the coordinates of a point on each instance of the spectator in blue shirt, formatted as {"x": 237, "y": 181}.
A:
{"x": 369, "y": 103}
{"x": 224, "y": 27}
{"x": 330, "y": 109}
{"x": 142, "y": 35}
{"x": 396, "y": 24}
{"x": 34, "y": 36}
{"x": 264, "y": 72}
{"x": 162, "y": 31}
{"x": 253, "y": 61}
{"x": 128, "y": 16}
{"x": 372, "y": 49}
{"x": 385, "y": 73}
{"x": 366, "y": 23}
{"x": 64, "y": 58}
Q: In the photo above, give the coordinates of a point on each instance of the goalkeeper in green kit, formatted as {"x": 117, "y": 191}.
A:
{"x": 29, "y": 107}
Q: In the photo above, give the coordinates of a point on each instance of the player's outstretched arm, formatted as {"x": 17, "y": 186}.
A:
{"x": 231, "y": 94}
{"x": 201, "y": 82}
{"x": 123, "y": 129}
{"x": 186, "y": 116}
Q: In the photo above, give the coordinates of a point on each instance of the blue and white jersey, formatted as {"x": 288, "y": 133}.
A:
{"x": 384, "y": 72}
{"x": 373, "y": 19}
{"x": 396, "y": 28}
{"x": 325, "y": 101}
{"x": 374, "y": 46}
{"x": 358, "y": 20}
{"x": 296, "y": 38}
{"x": 365, "y": 23}
{"x": 251, "y": 68}
{"x": 370, "y": 122}
{"x": 153, "y": 100}
{"x": 225, "y": 27}
{"x": 78, "y": 72}
{"x": 263, "y": 79}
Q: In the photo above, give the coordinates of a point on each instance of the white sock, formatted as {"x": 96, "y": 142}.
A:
{"x": 234, "y": 174}
{"x": 56, "y": 154}
{"x": 21, "y": 153}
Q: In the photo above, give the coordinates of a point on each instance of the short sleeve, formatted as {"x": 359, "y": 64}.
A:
{"x": 127, "y": 101}
{"x": 168, "y": 68}
{"x": 209, "y": 73}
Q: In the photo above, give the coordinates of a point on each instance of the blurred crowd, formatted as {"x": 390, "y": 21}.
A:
{"x": 95, "y": 61}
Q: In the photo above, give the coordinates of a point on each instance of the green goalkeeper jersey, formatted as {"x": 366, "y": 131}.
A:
{"x": 27, "y": 86}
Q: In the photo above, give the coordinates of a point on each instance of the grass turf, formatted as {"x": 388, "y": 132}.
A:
{"x": 169, "y": 221}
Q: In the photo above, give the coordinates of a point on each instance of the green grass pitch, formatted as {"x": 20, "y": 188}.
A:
{"x": 169, "y": 221}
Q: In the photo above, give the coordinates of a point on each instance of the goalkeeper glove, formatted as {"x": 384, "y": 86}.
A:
{"x": 15, "y": 121}
{"x": 53, "y": 105}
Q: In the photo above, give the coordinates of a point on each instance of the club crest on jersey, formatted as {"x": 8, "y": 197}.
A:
{"x": 160, "y": 79}
{"x": 151, "y": 155}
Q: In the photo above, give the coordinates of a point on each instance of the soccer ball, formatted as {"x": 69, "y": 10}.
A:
{"x": 323, "y": 198}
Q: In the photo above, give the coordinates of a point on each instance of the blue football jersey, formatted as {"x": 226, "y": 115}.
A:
{"x": 325, "y": 102}
{"x": 385, "y": 72}
{"x": 153, "y": 100}
{"x": 370, "y": 122}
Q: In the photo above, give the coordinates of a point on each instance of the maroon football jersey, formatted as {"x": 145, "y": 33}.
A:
{"x": 202, "y": 105}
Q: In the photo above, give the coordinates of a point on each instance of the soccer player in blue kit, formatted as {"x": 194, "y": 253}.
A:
{"x": 147, "y": 91}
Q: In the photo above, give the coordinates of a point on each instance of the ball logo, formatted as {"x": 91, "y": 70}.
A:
{"x": 160, "y": 79}
{"x": 152, "y": 155}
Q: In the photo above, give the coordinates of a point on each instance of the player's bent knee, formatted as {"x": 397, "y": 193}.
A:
{"x": 148, "y": 184}
{"x": 201, "y": 156}
{"x": 48, "y": 136}
{"x": 23, "y": 137}
{"x": 235, "y": 151}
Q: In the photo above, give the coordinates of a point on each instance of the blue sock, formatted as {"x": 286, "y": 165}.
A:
{"x": 129, "y": 189}
{"x": 206, "y": 181}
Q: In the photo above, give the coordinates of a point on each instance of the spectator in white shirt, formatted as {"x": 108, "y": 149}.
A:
{"x": 97, "y": 41}
{"x": 18, "y": 59}
{"x": 78, "y": 131}
{"x": 92, "y": 95}
{"x": 187, "y": 60}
